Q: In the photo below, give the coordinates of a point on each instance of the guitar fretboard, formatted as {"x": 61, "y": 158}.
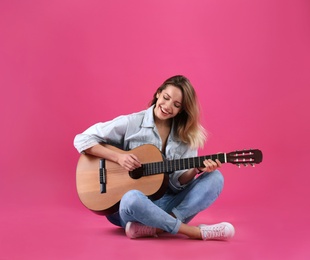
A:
{"x": 168, "y": 166}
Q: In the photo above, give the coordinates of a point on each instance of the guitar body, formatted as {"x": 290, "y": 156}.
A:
{"x": 118, "y": 180}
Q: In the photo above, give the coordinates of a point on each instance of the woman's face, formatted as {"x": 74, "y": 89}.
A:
{"x": 169, "y": 103}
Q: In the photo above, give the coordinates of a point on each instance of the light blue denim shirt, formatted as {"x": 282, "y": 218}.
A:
{"x": 130, "y": 131}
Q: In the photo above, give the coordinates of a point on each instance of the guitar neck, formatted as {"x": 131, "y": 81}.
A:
{"x": 169, "y": 166}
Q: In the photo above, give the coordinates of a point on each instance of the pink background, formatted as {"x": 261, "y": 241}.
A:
{"x": 65, "y": 65}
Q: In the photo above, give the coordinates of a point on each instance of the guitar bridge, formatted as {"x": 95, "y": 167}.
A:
{"x": 102, "y": 176}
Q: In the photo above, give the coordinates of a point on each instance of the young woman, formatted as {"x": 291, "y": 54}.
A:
{"x": 172, "y": 124}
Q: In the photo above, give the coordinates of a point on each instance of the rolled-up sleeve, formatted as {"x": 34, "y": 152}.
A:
{"x": 108, "y": 132}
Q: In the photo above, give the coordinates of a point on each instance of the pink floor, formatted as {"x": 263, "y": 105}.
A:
{"x": 50, "y": 223}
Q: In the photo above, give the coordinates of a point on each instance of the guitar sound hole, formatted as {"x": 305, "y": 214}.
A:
{"x": 137, "y": 173}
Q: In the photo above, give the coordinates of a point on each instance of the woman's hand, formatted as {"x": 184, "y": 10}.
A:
{"x": 128, "y": 161}
{"x": 210, "y": 165}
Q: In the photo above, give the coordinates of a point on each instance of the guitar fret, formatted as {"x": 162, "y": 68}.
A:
{"x": 183, "y": 164}
{"x": 196, "y": 162}
{"x": 157, "y": 167}
{"x": 149, "y": 169}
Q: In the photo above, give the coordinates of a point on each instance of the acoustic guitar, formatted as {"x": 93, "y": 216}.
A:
{"x": 102, "y": 183}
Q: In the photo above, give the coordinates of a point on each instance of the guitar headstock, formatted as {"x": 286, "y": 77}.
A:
{"x": 245, "y": 157}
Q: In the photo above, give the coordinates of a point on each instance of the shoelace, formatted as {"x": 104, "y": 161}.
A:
{"x": 144, "y": 230}
{"x": 214, "y": 232}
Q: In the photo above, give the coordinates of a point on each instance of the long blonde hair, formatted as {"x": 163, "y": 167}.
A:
{"x": 187, "y": 123}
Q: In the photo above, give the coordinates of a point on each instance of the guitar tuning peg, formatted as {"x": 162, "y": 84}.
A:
{"x": 245, "y": 165}
{"x": 253, "y": 165}
{"x": 238, "y": 165}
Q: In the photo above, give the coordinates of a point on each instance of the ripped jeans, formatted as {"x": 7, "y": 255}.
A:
{"x": 185, "y": 205}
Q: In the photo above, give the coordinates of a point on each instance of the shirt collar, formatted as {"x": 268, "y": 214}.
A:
{"x": 148, "y": 120}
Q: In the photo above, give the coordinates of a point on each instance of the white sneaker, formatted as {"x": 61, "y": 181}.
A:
{"x": 221, "y": 231}
{"x": 135, "y": 230}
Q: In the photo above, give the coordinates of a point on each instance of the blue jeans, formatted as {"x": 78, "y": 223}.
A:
{"x": 185, "y": 205}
